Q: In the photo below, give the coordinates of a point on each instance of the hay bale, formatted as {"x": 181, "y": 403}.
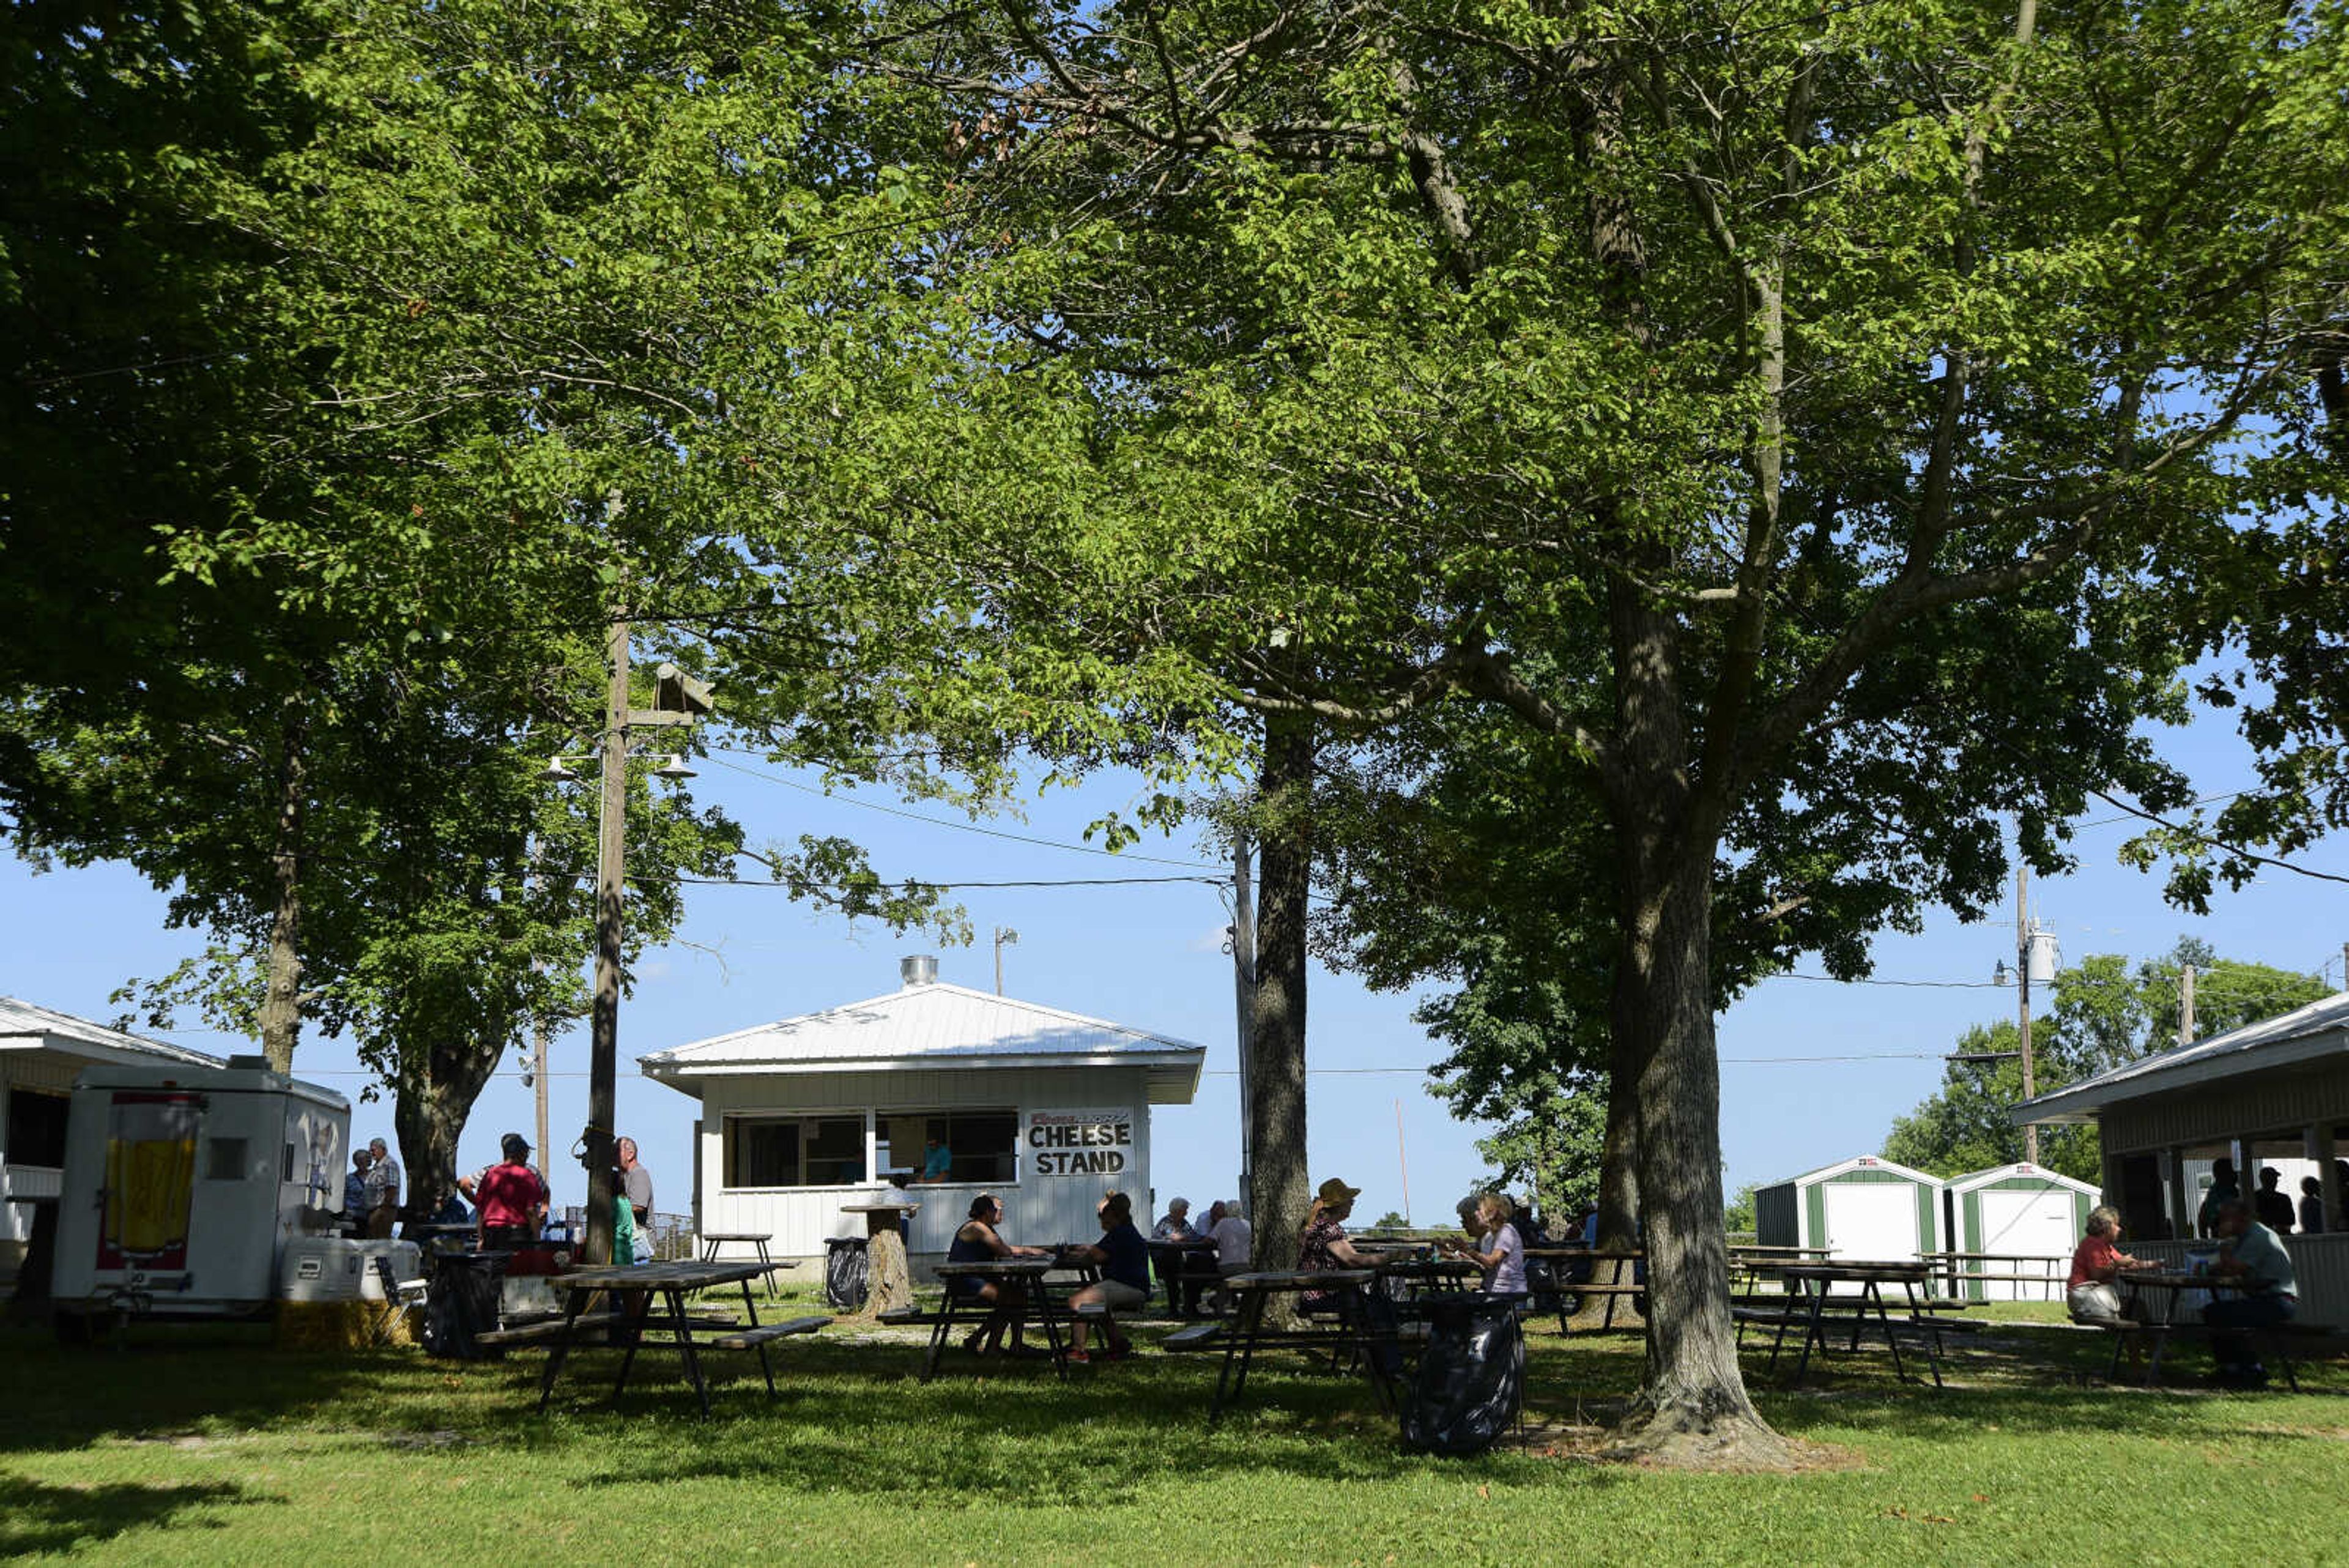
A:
{"x": 339, "y": 1325}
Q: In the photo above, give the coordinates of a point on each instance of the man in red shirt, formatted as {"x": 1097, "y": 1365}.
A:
{"x": 510, "y": 1196}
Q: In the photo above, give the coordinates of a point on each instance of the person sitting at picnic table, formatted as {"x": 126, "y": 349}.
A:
{"x": 2096, "y": 1264}
{"x": 2269, "y": 1294}
{"x": 1235, "y": 1241}
{"x": 1322, "y": 1245}
{"x": 1124, "y": 1283}
{"x": 978, "y": 1241}
{"x": 1176, "y": 1224}
{"x": 1503, "y": 1256}
{"x": 509, "y": 1197}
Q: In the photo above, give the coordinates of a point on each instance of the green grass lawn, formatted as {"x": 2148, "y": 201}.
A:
{"x": 213, "y": 1448}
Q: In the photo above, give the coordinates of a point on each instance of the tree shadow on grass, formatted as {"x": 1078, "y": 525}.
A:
{"x": 846, "y": 1418}
{"x": 35, "y": 1518}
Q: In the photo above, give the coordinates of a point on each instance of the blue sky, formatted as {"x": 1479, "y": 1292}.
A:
{"x": 1812, "y": 1071}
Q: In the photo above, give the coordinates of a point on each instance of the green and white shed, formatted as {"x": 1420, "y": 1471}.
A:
{"x": 1866, "y": 1207}
{"x": 2019, "y": 1219}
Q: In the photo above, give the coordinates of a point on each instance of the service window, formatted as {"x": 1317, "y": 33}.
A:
{"x": 37, "y": 1128}
{"x": 794, "y": 1151}
{"x": 981, "y": 1146}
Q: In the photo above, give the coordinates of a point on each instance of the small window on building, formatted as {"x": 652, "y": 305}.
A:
{"x": 794, "y": 1151}
{"x": 36, "y": 1129}
{"x": 981, "y": 1146}
{"x": 224, "y": 1159}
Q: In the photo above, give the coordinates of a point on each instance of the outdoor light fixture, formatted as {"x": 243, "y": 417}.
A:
{"x": 556, "y": 772}
{"x": 673, "y": 768}
{"x": 2002, "y": 975}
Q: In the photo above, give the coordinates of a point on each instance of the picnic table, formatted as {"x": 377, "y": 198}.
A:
{"x": 1037, "y": 1305}
{"x": 2050, "y": 1271}
{"x": 1176, "y": 1264}
{"x": 1406, "y": 1277}
{"x": 671, "y": 1282}
{"x": 715, "y": 1242}
{"x": 2152, "y": 1310}
{"x": 1351, "y": 1335}
{"x": 1818, "y": 1283}
{"x": 1625, "y": 1282}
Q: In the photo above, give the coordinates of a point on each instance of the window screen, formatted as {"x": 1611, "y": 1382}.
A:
{"x": 796, "y": 1152}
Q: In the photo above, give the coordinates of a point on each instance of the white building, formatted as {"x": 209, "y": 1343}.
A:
{"x": 41, "y": 1052}
{"x": 1047, "y": 1109}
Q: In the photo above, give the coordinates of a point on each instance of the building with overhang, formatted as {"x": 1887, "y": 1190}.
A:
{"x": 2270, "y": 1093}
{"x": 1045, "y": 1108}
{"x": 42, "y": 1051}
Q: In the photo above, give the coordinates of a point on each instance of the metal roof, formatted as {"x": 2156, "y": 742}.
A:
{"x": 934, "y": 1025}
{"x": 24, "y": 1026}
{"x": 1974, "y": 1178}
{"x": 1856, "y": 1162}
{"x": 2315, "y": 1034}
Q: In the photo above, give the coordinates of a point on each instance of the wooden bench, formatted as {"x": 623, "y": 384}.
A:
{"x": 752, "y": 1338}
{"x": 549, "y": 1328}
{"x": 2272, "y": 1340}
{"x": 1193, "y": 1338}
{"x": 908, "y": 1316}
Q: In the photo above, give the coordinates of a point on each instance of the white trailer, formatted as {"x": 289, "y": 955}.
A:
{"x": 184, "y": 1185}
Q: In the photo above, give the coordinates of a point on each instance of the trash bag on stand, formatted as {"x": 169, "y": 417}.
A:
{"x": 846, "y": 1272}
{"x": 462, "y": 1302}
{"x": 1472, "y": 1374}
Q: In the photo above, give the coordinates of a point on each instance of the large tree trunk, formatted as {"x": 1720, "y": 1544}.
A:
{"x": 281, "y": 1003}
{"x": 428, "y": 1117}
{"x": 1692, "y": 1408}
{"x": 1619, "y": 1213}
{"x": 1280, "y": 1188}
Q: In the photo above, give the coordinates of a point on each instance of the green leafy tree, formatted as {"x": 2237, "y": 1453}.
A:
{"x": 1789, "y": 423}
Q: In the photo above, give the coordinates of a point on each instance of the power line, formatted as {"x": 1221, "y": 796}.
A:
{"x": 955, "y": 826}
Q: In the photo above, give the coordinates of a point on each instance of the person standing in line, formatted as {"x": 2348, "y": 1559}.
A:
{"x": 508, "y": 1197}
{"x": 382, "y": 1190}
{"x": 2270, "y": 1203}
{"x": 2312, "y": 1206}
{"x": 2223, "y": 1190}
{"x": 636, "y": 1185}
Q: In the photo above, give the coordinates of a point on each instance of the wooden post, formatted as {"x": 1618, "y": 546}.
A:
{"x": 611, "y": 874}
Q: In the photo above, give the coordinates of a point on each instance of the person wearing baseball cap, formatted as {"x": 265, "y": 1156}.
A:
{"x": 510, "y": 1196}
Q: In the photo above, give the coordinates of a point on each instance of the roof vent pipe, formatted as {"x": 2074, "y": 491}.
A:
{"x": 922, "y": 969}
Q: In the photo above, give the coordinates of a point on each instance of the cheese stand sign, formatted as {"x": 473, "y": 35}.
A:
{"x": 1078, "y": 1143}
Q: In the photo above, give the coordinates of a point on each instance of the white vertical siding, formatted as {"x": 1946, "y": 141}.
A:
{"x": 2320, "y": 1265}
{"x": 1040, "y": 1210}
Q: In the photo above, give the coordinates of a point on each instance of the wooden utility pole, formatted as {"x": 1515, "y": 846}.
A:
{"x": 2023, "y": 995}
{"x": 611, "y": 874}
{"x": 1402, "y": 1163}
{"x": 2186, "y": 1005}
{"x": 1244, "y": 987}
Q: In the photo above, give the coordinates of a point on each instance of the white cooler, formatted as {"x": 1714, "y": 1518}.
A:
{"x": 325, "y": 1269}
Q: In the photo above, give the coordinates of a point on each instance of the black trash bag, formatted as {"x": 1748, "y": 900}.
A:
{"x": 1472, "y": 1374}
{"x": 462, "y": 1302}
{"x": 847, "y": 1272}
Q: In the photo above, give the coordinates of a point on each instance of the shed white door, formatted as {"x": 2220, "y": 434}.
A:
{"x": 2025, "y": 1225}
{"x": 1873, "y": 1220}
